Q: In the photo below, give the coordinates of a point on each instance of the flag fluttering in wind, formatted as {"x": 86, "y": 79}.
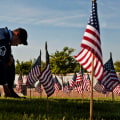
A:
{"x": 79, "y": 81}
{"x": 91, "y": 44}
{"x": 82, "y": 82}
{"x": 34, "y": 73}
{"x": 66, "y": 89}
{"x": 99, "y": 88}
{"x": 72, "y": 83}
{"x": 116, "y": 90}
{"x": 19, "y": 84}
{"x": 110, "y": 79}
{"x": 56, "y": 84}
{"x": 38, "y": 87}
{"x": 46, "y": 79}
{"x": 87, "y": 82}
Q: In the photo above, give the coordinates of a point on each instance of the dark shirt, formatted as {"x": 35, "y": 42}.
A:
{"x": 5, "y": 53}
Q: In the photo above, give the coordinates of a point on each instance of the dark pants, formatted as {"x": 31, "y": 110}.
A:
{"x": 11, "y": 78}
{"x": 3, "y": 76}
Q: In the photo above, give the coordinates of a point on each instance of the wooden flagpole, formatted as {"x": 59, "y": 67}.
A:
{"x": 46, "y": 64}
{"x": 30, "y": 87}
{"x": 112, "y": 89}
{"x": 82, "y": 81}
{"x": 39, "y": 81}
{"x": 91, "y": 96}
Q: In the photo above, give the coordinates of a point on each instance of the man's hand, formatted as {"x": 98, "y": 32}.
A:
{"x": 10, "y": 60}
{"x": 7, "y": 91}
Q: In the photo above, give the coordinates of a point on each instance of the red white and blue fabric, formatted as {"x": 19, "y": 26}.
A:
{"x": 39, "y": 87}
{"x": 110, "y": 79}
{"x": 72, "y": 82}
{"x": 56, "y": 84}
{"x": 87, "y": 83}
{"x": 56, "y": 87}
{"x": 84, "y": 85}
{"x": 47, "y": 81}
{"x": 19, "y": 84}
{"x": 116, "y": 90}
{"x": 32, "y": 77}
{"x": 91, "y": 44}
{"x": 78, "y": 79}
{"x": 99, "y": 88}
{"x": 66, "y": 89}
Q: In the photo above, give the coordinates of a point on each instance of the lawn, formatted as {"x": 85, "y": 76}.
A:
{"x": 58, "y": 109}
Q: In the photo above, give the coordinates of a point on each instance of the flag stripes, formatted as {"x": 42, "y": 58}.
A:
{"x": 116, "y": 90}
{"x": 85, "y": 59}
{"x": 98, "y": 87}
{"x": 33, "y": 75}
{"x": 56, "y": 87}
{"x": 110, "y": 79}
{"x": 91, "y": 41}
{"x": 91, "y": 45}
{"x": 47, "y": 80}
{"x": 72, "y": 83}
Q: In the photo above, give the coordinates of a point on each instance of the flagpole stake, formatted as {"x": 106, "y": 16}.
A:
{"x": 30, "y": 88}
{"x": 91, "y": 97}
{"x": 46, "y": 63}
{"x": 82, "y": 82}
{"x": 39, "y": 81}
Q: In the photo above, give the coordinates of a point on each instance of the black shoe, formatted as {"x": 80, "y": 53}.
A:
{"x": 13, "y": 94}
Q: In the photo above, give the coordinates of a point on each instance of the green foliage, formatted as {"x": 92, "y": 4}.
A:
{"x": 25, "y": 67}
{"x": 117, "y": 66}
{"x": 62, "y": 62}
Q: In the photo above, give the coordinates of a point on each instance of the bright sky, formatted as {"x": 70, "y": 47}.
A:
{"x": 61, "y": 23}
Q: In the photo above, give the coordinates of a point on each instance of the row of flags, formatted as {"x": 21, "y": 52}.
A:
{"x": 91, "y": 44}
{"x": 91, "y": 51}
{"x": 79, "y": 82}
{"x": 45, "y": 77}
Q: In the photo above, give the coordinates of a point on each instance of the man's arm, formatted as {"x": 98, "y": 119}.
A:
{"x": 6, "y": 90}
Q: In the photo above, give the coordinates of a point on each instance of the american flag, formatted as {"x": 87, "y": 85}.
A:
{"x": 91, "y": 44}
{"x": 20, "y": 82}
{"x": 110, "y": 79}
{"x": 116, "y": 90}
{"x": 99, "y": 88}
{"x": 87, "y": 83}
{"x": 79, "y": 81}
{"x": 66, "y": 89}
{"x": 34, "y": 73}
{"x": 72, "y": 83}
{"x": 56, "y": 84}
{"x": 79, "y": 78}
{"x": 82, "y": 83}
{"x": 46, "y": 79}
{"x": 38, "y": 87}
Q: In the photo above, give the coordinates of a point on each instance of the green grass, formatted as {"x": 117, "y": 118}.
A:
{"x": 59, "y": 109}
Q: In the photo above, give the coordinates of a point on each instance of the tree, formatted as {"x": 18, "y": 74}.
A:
{"x": 117, "y": 66}
{"x": 25, "y": 67}
{"x": 63, "y": 62}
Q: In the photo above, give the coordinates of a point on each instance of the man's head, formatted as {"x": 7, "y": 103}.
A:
{"x": 19, "y": 36}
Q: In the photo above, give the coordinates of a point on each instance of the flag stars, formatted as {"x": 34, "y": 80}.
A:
{"x": 93, "y": 20}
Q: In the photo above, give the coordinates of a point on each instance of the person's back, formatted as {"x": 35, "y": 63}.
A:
{"x": 9, "y": 38}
